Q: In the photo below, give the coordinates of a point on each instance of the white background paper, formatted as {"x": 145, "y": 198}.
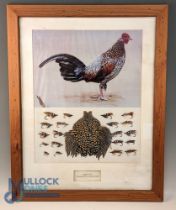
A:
{"x": 114, "y": 176}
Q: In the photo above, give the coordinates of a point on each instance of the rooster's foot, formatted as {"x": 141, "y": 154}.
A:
{"x": 99, "y": 98}
{"x": 103, "y": 98}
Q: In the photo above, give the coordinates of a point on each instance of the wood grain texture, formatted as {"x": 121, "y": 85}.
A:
{"x": 14, "y": 12}
{"x": 159, "y": 102}
{"x": 14, "y": 99}
{"x": 87, "y": 10}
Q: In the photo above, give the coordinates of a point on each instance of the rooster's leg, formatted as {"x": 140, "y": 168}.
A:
{"x": 102, "y": 92}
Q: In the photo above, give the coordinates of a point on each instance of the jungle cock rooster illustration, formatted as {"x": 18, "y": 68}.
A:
{"x": 106, "y": 67}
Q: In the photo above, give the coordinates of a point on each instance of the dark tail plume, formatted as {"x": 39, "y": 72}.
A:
{"x": 71, "y": 68}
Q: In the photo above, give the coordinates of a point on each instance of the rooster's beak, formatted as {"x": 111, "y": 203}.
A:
{"x": 130, "y": 39}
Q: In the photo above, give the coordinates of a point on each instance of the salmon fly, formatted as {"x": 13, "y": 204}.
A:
{"x": 107, "y": 115}
{"x": 57, "y": 133}
{"x": 45, "y": 125}
{"x": 117, "y": 133}
{"x": 130, "y": 142}
{"x": 46, "y": 153}
{"x": 49, "y": 115}
{"x": 58, "y": 153}
{"x": 43, "y": 135}
{"x": 58, "y": 124}
{"x": 128, "y": 114}
{"x": 119, "y": 152}
{"x": 130, "y": 151}
{"x": 131, "y": 133}
{"x": 67, "y": 115}
{"x": 130, "y": 123}
{"x": 113, "y": 124}
{"x": 44, "y": 144}
{"x": 57, "y": 144}
{"x": 118, "y": 142}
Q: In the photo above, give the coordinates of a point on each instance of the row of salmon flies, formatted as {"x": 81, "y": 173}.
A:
{"x": 114, "y": 152}
{"x": 64, "y": 124}
{"x": 57, "y": 144}
{"x": 114, "y": 134}
{"x": 119, "y": 152}
{"x": 55, "y": 154}
{"x": 51, "y": 115}
{"x": 106, "y": 115}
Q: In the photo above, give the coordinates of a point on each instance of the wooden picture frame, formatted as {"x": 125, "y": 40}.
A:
{"x": 14, "y": 13}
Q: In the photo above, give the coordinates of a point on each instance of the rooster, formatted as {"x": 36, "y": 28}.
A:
{"x": 105, "y": 68}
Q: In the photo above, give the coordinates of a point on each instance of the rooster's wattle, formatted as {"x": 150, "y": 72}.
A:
{"x": 106, "y": 67}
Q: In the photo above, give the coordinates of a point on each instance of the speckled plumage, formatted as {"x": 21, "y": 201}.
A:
{"x": 106, "y": 66}
{"x": 88, "y": 138}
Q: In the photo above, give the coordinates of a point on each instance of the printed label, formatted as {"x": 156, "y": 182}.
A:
{"x": 87, "y": 175}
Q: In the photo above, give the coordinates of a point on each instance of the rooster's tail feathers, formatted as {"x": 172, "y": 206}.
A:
{"x": 71, "y": 68}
